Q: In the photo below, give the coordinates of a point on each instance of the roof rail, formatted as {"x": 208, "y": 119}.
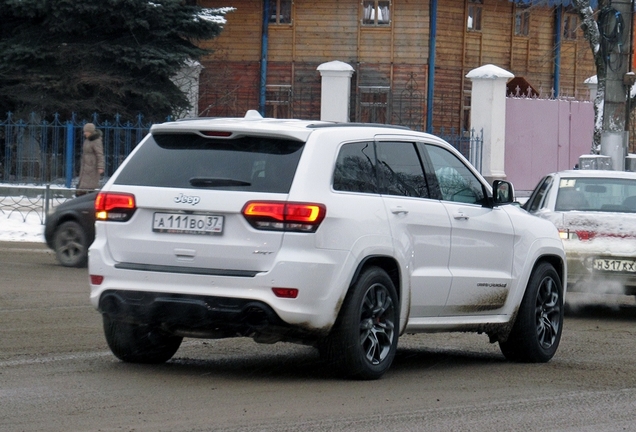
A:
{"x": 354, "y": 124}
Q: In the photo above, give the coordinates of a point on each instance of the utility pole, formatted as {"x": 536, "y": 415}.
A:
{"x": 615, "y": 25}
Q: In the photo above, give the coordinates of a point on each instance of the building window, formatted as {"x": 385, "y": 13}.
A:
{"x": 522, "y": 21}
{"x": 474, "y": 14}
{"x": 376, "y": 12}
{"x": 280, "y": 11}
{"x": 570, "y": 24}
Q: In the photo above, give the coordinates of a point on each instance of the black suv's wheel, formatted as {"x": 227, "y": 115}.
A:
{"x": 71, "y": 248}
{"x": 363, "y": 342}
{"x": 537, "y": 331}
{"x": 139, "y": 343}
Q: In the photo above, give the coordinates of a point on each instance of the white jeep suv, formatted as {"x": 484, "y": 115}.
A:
{"x": 341, "y": 236}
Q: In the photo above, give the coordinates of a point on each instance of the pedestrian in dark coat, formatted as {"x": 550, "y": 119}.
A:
{"x": 92, "y": 162}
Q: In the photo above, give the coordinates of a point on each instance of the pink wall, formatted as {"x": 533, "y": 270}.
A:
{"x": 543, "y": 136}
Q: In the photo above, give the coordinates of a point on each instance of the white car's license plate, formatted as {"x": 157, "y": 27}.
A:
{"x": 615, "y": 265}
{"x": 180, "y": 223}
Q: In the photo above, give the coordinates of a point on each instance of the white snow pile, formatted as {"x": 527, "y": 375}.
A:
{"x": 19, "y": 228}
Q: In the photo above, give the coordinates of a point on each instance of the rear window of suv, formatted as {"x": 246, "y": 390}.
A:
{"x": 186, "y": 160}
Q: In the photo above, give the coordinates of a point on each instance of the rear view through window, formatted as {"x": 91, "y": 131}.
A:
{"x": 189, "y": 160}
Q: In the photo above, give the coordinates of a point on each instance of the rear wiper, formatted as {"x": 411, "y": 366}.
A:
{"x": 212, "y": 182}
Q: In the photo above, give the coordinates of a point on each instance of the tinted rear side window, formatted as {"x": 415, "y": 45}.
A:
{"x": 191, "y": 161}
{"x": 401, "y": 170}
{"x": 355, "y": 168}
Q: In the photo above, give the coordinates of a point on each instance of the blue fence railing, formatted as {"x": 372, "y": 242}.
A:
{"x": 40, "y": 152}
{"x": 36, "y": 151}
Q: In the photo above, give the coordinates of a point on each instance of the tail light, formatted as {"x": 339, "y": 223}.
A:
{"x": 284, "y": 216}
{"x": 291, "y": 293}
{"x": 567, "y": 234}
{"x": 113, "y": 206}
{"x": 217, "y": 134}
{"x": 584, "y": 235}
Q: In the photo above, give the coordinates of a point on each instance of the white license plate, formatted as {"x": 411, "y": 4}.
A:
{"x": 615, "y": 265}
{"x": 180, "y": 223}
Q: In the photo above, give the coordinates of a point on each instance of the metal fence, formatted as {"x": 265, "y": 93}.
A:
{"x": 37, "y": 151}
{"x": 469, "y": 143}
{"x": 25, "y": 202}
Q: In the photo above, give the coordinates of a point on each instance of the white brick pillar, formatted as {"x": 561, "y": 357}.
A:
{"x": 336, "y": 90}
{"x": 488, "y": 113}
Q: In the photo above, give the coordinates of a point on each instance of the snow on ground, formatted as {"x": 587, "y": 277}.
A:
{"x": 15, "y": 228}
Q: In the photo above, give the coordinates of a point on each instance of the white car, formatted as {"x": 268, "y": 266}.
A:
{"x": 341, "y": 236}
{"x": 595, "y": 212}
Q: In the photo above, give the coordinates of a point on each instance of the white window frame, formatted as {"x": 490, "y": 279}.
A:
{"x": 376, "y": 13}
{"x": 280, "y": 12}
{"x": 475, "y": 9}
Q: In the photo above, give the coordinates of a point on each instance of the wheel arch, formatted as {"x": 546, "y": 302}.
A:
{"x": 347, "y": 347}
{"x": 559, "y": 265}
{"x": 50, "y": 233}
{"x": 538, "y": 318}
{"x": 386, "y": 263}
{"x": 74, "y": 217}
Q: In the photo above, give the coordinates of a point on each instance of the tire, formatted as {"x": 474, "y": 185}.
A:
{"x": 363, "y": 343}
{"x": 70, "y": 244}
{"x": 134, "y": 343}
{"x": 536, "y": 333}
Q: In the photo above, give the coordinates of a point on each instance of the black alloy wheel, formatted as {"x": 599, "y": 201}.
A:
{"x": 70, "y": 245}
{"x": 536, "y": 333}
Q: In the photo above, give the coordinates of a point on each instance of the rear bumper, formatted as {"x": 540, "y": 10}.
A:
{"x": 199, "y": 316}
{"x": 209, "y": 304}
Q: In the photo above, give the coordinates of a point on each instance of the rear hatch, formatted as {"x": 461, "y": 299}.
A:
{"x": 190, "y": 189}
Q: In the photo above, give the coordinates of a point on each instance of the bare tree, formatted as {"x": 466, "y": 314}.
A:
{"x": 592, "y": 33}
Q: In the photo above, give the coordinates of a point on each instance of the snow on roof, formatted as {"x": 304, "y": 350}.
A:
{"x": 597, "y": 173}
{"x": 335, "y": 65}
{"x": 489, "y": 71}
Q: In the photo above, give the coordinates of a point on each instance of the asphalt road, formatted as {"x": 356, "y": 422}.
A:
{"x": 57, "y": 374}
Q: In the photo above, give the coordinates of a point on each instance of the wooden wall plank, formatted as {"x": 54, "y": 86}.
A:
{"x": 397, "y": 55}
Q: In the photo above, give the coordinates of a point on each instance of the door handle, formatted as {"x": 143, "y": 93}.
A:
{"x": 398, "y": 210}
{"x": 460, "y": 216}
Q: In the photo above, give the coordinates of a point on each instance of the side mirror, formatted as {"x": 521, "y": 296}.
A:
{"x": 502, "y": 192}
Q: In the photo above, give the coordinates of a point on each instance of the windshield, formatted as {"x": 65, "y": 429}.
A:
{"x": 596, "y": 194}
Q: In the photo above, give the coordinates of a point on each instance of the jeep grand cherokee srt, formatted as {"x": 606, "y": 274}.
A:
{"x": 341, "y": 236}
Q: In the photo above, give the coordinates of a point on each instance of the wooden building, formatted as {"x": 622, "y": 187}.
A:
{"x": 410, "y": 57}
